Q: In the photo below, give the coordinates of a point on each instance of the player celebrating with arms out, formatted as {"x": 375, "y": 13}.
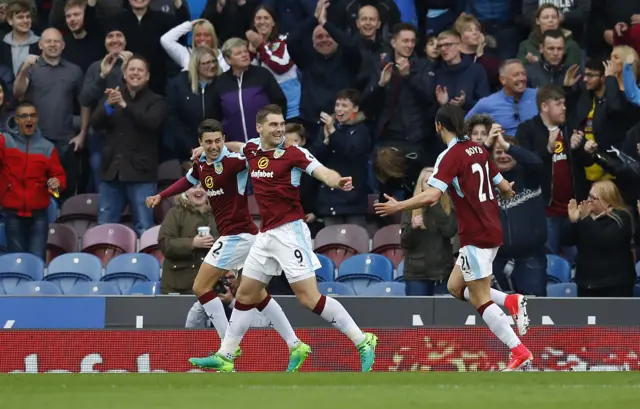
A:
{"x": 223, "y": 175}
{"x": 468, "y": 168}
{"x": 284, "y": 242}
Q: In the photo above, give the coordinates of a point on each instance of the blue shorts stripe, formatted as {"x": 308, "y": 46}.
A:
{"x": 228, "y": 249}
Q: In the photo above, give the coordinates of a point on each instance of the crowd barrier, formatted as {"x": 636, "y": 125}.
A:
{"x": 146, "y": 334}
{"x": 415, "y": 349}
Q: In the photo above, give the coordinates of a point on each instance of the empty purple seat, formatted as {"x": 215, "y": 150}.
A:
{"x": 108, "y": 241}
{"x": 149, "y": 243}
{"x": 342, "y": 241}
{"x": 386, "y": 242}
{"x": 80, "y": 213}
{"x": 169, "y": 172}
{"x": 62, "y": 239}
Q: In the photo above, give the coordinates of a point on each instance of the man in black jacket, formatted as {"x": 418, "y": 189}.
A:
{"x": 600, "y": 109}
{"x": 561, "y": 149}
{"x": 132, "y": 119}
{"x": 401, "y": 97}
{"x": 329, "y": 63}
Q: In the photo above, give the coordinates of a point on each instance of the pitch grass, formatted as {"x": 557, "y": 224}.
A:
{"x": 322, "y": 390}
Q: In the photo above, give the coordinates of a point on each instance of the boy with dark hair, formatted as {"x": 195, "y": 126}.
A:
{"x": 18, "y": 44}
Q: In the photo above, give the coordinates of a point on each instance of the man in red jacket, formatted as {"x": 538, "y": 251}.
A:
{"x": 30, "y": 171}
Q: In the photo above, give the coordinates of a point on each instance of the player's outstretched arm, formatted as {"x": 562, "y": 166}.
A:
{"x": 506, "y": 189}
{"x": 428, "y": 197}
{"x": 178, "y": 187}
{"x": 332, "y": 178}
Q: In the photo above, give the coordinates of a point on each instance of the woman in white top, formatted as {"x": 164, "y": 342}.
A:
{"x": 202, "y": 34}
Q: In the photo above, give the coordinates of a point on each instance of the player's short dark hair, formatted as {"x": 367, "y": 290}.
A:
{"x": 595, "y": 64}
{"x": 478, "y": 119}
{"x": 296, "y": 128}
{"x": 351, "y": 94}
{"x": 271, "y": 109}
{"x": 209, "y": 125}
{"x": 555, "y": 34}
{"x": 25, "y": 104}
{"x": 400, "y": 27}
{"x": 451, "y": 117}
{"x": 548, "y": 93}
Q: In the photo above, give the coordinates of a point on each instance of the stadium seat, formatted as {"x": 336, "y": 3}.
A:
{"x": 400, "y": 272}
{"x": 342, "y": 241}
{"x": 67, "y": 270}
{"x": 362, "y": 270}
{"x": 558, "y": 269}
{"x": 126, "y": 270}
{"x": 36, "y": 288}
{"x": 388, "y": 289}
{"x": 16, "y": 268}
{"x": 636, "y": 291}
{"x": 62, "y": 239}
{"x": 332, "y": 288}
{"x": 327, "y": 271}
{"x": 562, "y": 290}
{"x": 386, "y": 242}
{"x": 108, "y": 241}
{"x": 145, "y": 288}
{"x": 169, "y": 172}
{"x": 79, "y": 212}
{"x": 94, "y": 288}
{"x": 149, "y": 243}
{"x": 637, "y": 268}
{"x": 161, "y": 211}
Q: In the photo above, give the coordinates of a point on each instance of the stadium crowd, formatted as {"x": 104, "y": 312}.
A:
{"x": 105, "y": 97}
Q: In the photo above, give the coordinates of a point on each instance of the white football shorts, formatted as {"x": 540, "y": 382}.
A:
{"x": 230, "y": 252}
{"x": 476, "y": 263}
{"x": 285, "y": 248}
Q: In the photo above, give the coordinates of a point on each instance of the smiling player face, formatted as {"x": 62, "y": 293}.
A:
{"x": 212, "y": 143}
{"x": 271, "y": 131}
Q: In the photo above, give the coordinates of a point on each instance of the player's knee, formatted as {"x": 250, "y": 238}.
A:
{"x": 309, "y": 298}
{"x": 456, "y": 290}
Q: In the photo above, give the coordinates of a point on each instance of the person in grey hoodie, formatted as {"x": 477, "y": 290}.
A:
{"x": 20, "y": 42}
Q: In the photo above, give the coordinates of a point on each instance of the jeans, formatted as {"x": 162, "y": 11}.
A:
{"x": 528, "y": 276}
{"x": 417, "y": 288}
{"x": 114, "y": 196}
{"x": 95, "y": 156}
{"x": 27, "y": 234}
{"x": 556, "y": 228}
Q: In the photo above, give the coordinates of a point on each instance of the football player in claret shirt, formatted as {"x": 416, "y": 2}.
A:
{"x": 467, "y": 167}
{"x": 284, "y": 242}
{"x": 223, "y": 175}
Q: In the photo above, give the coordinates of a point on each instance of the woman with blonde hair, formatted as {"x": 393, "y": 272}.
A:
{"x": 202, "y": 35}
{"x": 426, "y": 240}
{"x": 602, "y": 228}
{"x": 190, "y": 99}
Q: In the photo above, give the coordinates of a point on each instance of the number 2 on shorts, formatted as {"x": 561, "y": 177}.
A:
{"x": 216, "y": 251}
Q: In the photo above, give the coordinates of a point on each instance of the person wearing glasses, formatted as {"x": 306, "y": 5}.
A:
{"x": 30, "y": 171}
{"x": 459, "y": 81}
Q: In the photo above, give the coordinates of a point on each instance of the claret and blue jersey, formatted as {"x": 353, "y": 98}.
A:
{"x": 225, "y": 182}
{"x": 469, "y": 169}
{"x": 275, "y": 176}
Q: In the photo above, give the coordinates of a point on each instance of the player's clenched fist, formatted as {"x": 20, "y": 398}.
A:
{"x": 153, "y": 201}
